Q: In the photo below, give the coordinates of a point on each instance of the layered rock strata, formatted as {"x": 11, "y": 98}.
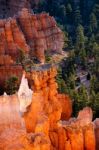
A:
{"x": 49, "y": 111}
{"x": 9, "y": 71}
{"x": 34, "y": 34}
{"x": 49, "y": 125}
{"x": 96, "y": 124}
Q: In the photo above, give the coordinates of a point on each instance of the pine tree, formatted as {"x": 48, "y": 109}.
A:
{"x": 62, "y": 13}
{"x": 80, "y": 38}
{"x": 11, "y": 85}
{"x": 66, "y": 40}
{"x": 69, "y": 12}
{"x": 96, "y": 9}
{"x": 69, "y": 8}
{"x": 77, "y": 16}
{"x": 93, "y": 22}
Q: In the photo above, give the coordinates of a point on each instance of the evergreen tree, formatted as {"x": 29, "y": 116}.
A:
{"x": 55, "y": 8}
{"x": 69, "y": 8}
{"x": 11, "y": 85}
{"x": 96, "y": 9}
{"x": 93, "y": 83}
{"x": 60, "y": 81}
{"x": 70, "y": 43}
{"x": 80, "y": 38}
{"x": 77, "y": 16}
{"x": 69, "y": 13}
{"x": 93, "y": 22}
{"x": 66, "y": 40}
{"x": 95, "y": 49}
{"x": 62, "y": 13}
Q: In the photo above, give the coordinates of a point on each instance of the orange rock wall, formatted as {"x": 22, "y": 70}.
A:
{"x": 96, "y": 124}
{"x": 46, "y": 100}
{"x": 7, "y": 71}
{"x": 32, "y": 33}
{"x": 48, "y": 122}
{"x": 49, "y": 112}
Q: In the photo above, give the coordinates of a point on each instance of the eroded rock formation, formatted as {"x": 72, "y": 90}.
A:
{"x": 48, "y": 122}
{"x": 38, "y": 118}
{"x": 24, "y": 95}
{"x": 96, "y": 123}
{"x": 34, "y": 34}
{"x": 74, "y": 134}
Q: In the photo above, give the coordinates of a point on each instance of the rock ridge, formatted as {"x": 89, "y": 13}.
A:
{"x": 34, "y": 34}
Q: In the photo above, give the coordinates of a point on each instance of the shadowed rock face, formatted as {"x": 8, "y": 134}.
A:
{"x": 9, "y": 8}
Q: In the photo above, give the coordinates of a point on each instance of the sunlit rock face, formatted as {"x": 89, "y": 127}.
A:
{"x": 47, "y": 114}
{"x": 79, "y": 132}
{"x": 47, "y": 124}
{"x": 34, "y": 34}
{"x": 11, "y": 123}
{"x": 96, "y": 124}
{"x": 37, "y": 33}
{"x": 24, "y": 95}
{"x": 41, "y": 33}
{"x": 9, "y": 112}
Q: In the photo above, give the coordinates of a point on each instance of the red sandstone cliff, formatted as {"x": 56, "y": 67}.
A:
{"x": 34, "y": 34}
{"x": 47, "y": 119}
{"x": 49, "y": 112}
{"x": 48, "y": 123}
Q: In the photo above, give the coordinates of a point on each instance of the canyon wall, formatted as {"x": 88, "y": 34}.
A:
{"x": 33, "y": 34}
{"x": 47, "y": 118}
{"x": 50, "y": 114}
{"x": 38, "y": 118}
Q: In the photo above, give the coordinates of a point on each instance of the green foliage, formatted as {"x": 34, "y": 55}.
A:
{"x": 93, "y": 22}
{"x": 96, "y": 9}
{"x": 11, "y": 85}
{"x": 78, "y": 18}
{"x": 21, "y": 57}
{"x": 47, "y": 58}
{"x": 80, "y": 99}
{"x": 61, "y": 82}
{"x": 69, "y": 8}
{"x": 80, "y": 38}
{"x": 66, "y": 40}
{"x": 25, "y": 60}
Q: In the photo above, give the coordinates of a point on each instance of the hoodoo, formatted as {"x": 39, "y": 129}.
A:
{"x": 34, "y": 34}
{"x": 48, "y": 124}
{"x": 37, "y": 116}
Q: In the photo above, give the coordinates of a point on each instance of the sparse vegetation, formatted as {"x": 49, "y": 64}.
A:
{"x": 11, "y": 85}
